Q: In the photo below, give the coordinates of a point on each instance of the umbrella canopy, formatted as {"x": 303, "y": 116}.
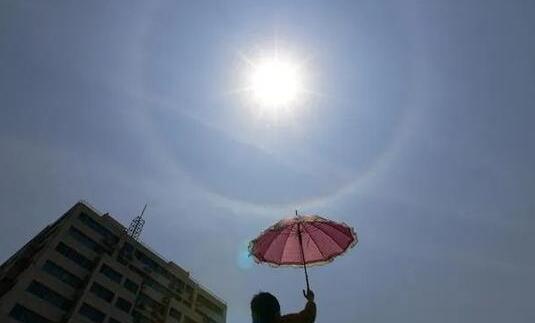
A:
{"x": 301, "y": 241}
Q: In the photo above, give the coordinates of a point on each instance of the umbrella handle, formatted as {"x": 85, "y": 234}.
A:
{"x": 306, "y": 276}
{"x": 303, "y": 254}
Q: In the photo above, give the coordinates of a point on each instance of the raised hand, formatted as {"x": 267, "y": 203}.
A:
{"x": 309, "y": 295}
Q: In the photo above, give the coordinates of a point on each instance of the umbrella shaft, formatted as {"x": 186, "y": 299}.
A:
{"x": 303, "y": 254}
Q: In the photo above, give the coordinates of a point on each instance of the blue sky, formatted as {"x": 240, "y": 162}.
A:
{"x": 419, "y": 132}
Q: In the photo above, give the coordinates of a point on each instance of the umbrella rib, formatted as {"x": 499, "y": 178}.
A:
{"x": 313, "y": 240}
{"x": 325, "y": 233}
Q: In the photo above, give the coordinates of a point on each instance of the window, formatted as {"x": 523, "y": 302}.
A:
{"x": 49, "y": 295}
{"x": 151, "y": 282}
{"x": 189, "y": 293}
{"x": 148, "y": 261}
{"x": 97, "y": 227}
{"x": 137, "y": 317}
{"x": 22, "y": 314}
{"x": 111, "y": 273}
{"x": 153, "y": 265}
{"x": 131, "y": 286}
{"x": 92, "y": 313}
{"x": 102, "y": 292}
{"x": 189, "y": 320}
{"x": 74, "y": 255}
{"x": 175, "y": 314}
{"x": 6, "y": 284}
{"x": 123, "y": 304}
{"x": 177, "y": 285}
{"x": 125, "y": 254}
{"x": 121, "y": 260}
{"x": 206, "y": 319}
{"x": 62, "y": 274}
{"x": 127, "y": 248}
{"x": 204, "y": 302}
{"x": 85, "y": 240}
{"x": 156, "y": 285}
{"x": 145, "y": 300}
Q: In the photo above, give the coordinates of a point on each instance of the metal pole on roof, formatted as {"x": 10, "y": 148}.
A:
{"x": 136, "y": 226}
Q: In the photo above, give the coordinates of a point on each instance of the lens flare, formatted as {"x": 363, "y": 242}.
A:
{"x": 243, "y": 260}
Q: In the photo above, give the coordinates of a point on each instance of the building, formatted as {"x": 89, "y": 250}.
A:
{"x": 86, "y": 268}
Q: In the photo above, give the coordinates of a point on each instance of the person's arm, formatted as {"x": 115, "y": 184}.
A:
{"x": 307, "y": 315}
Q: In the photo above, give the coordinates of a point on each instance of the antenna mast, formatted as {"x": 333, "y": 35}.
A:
{"x": 134, "y": 230}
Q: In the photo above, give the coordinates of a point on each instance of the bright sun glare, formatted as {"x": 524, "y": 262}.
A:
{"x": 275, "y": 82}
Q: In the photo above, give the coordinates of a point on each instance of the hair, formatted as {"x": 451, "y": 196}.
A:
{"x": 265, "y": 308}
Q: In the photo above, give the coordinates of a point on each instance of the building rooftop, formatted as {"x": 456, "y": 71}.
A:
{"x": 172, "y": 266}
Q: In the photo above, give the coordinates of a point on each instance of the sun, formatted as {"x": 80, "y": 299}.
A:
{"x": 275, "y": 82}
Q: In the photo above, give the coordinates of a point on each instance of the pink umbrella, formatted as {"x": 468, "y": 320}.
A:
{"x": 302, "y": 240}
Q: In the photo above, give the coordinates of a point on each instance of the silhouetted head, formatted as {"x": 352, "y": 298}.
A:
{"x": 265, "y": 308}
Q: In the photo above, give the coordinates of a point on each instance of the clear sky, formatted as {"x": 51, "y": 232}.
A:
{"x": 418, "y": 130}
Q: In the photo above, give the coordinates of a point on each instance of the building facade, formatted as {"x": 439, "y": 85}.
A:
{"x": 85, "y": 268}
